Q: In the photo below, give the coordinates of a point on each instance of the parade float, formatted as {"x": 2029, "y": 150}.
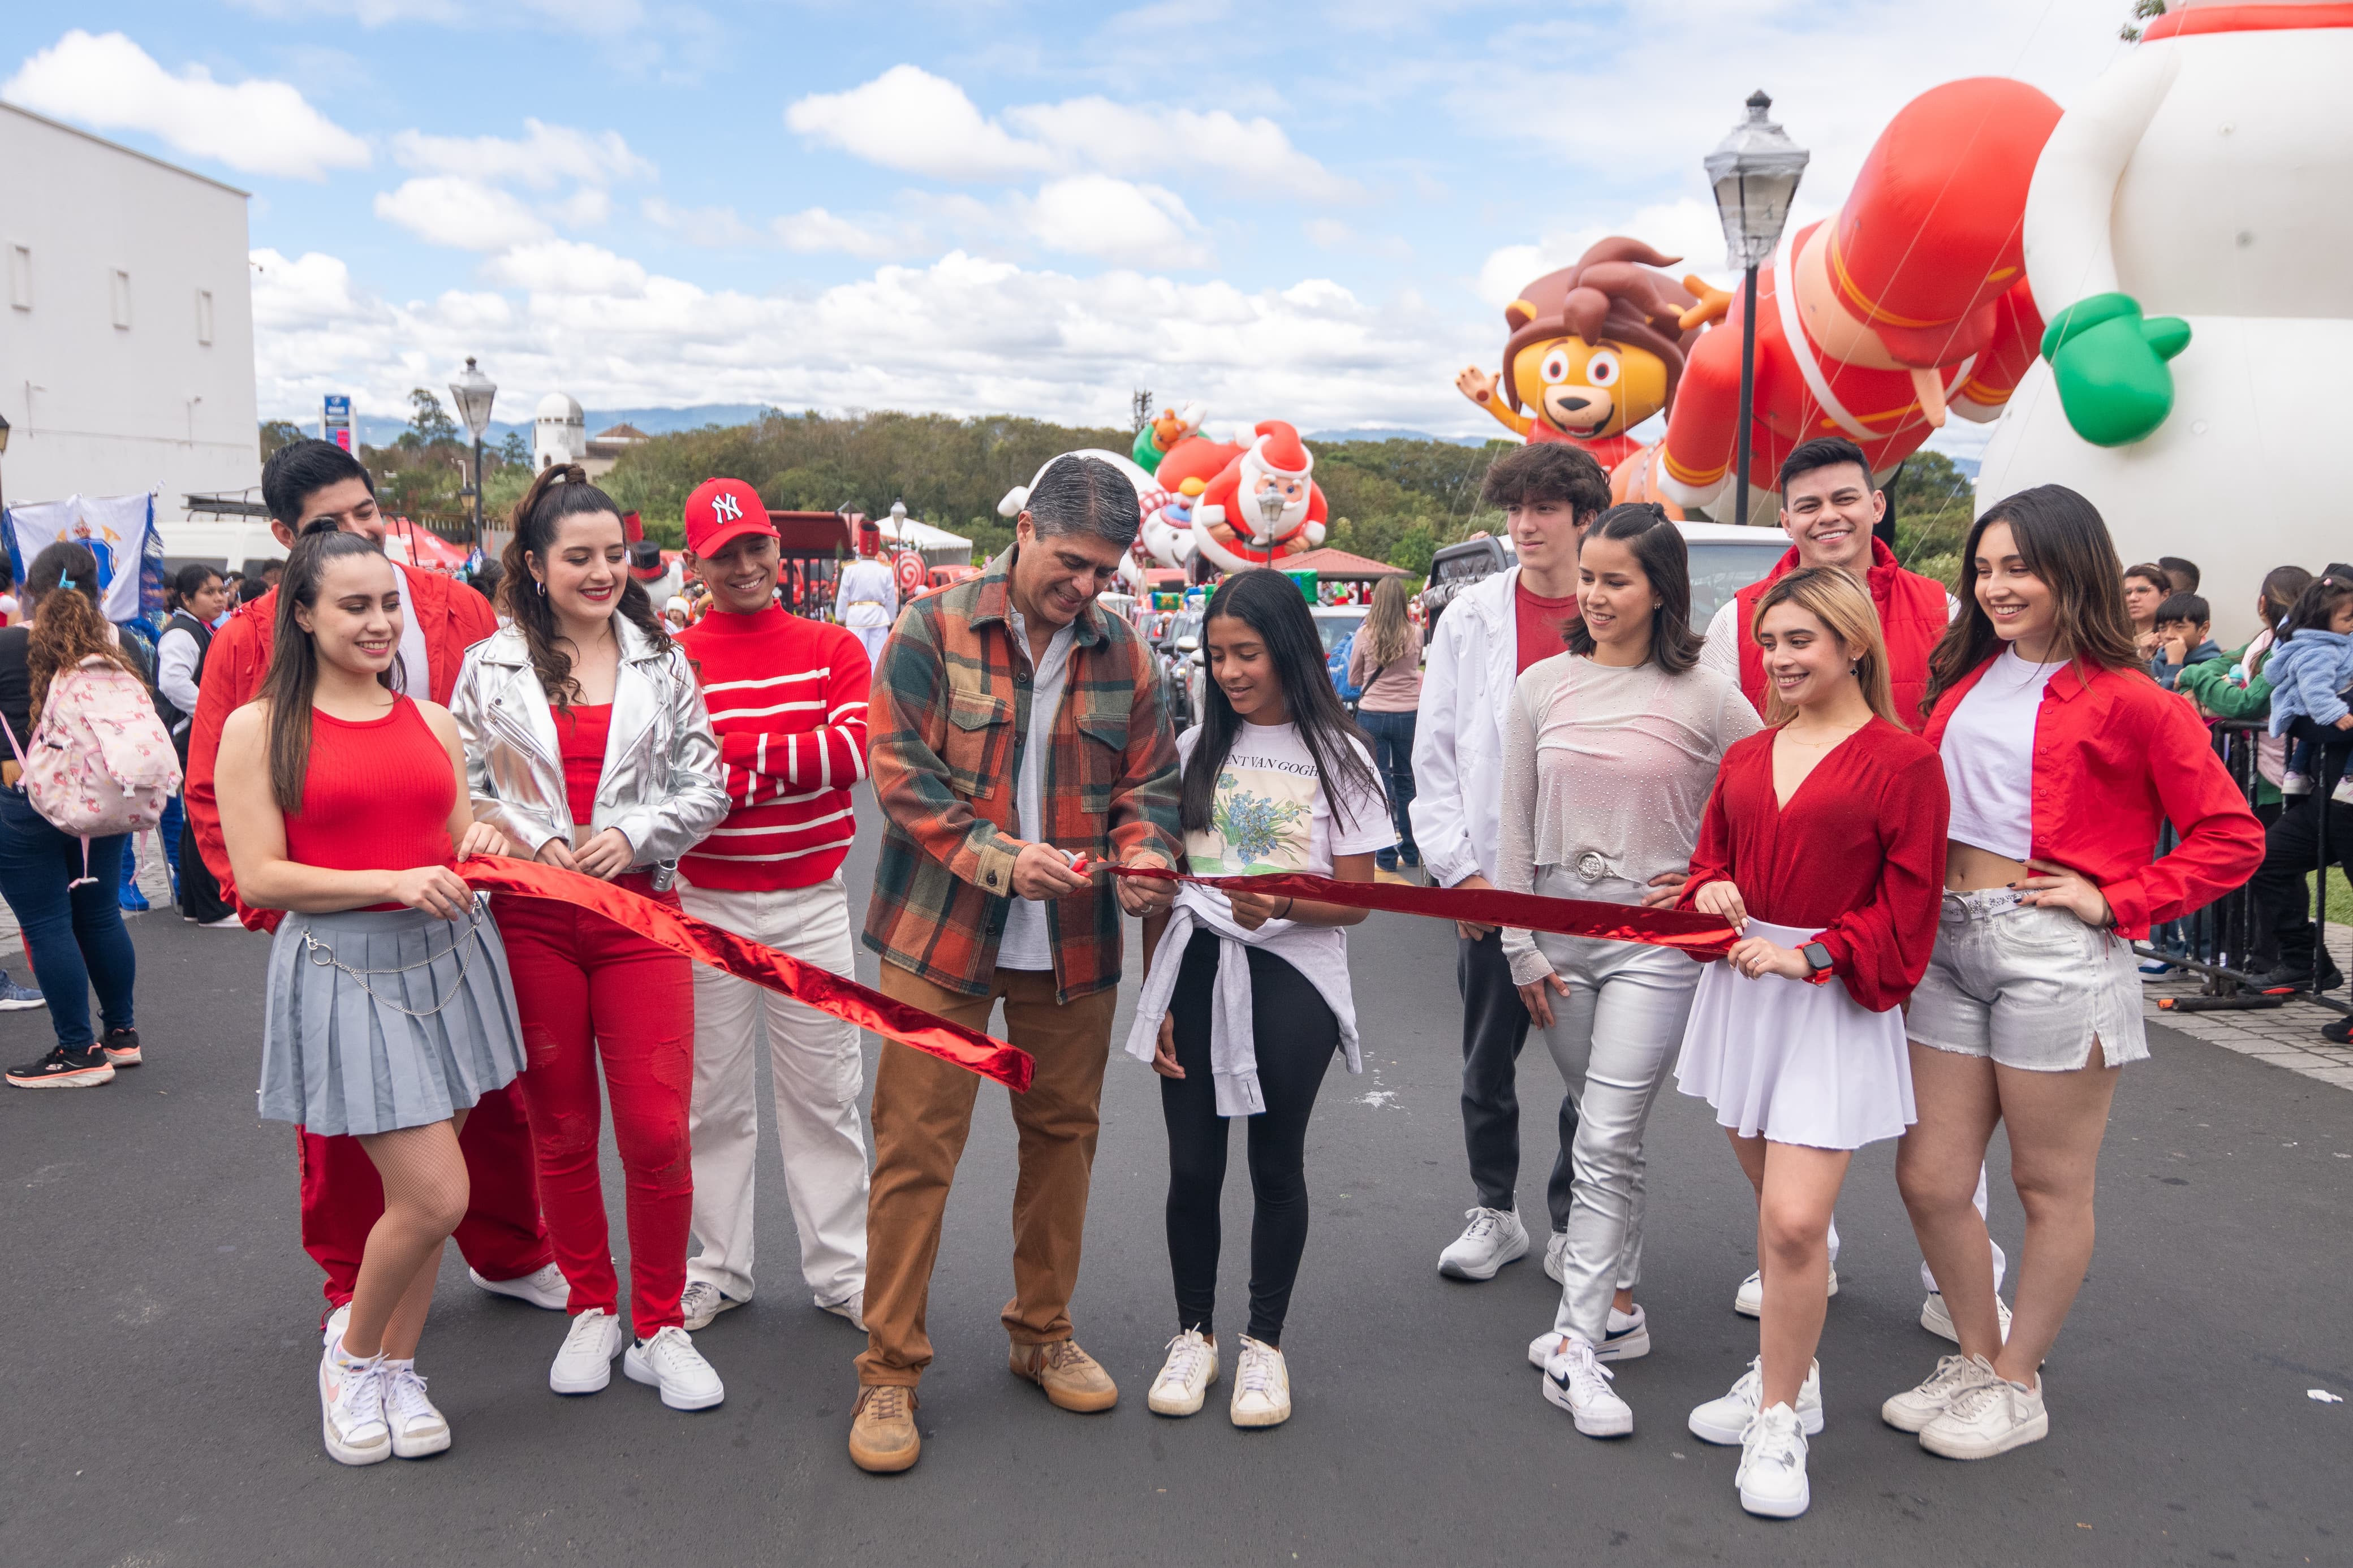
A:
{"x": 2182, "y": 240}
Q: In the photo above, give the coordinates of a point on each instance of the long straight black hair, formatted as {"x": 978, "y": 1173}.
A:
{"x": 558, "y": 492}
{"x": 293, "y": 674}
{"x": 1270, "y": 603}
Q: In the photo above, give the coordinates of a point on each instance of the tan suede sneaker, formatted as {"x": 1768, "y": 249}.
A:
{"x": 882, "y": 1436}
{"x": 1070, "y": 1377}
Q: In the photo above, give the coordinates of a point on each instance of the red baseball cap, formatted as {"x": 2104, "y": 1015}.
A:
{"x": 721, "y": 510}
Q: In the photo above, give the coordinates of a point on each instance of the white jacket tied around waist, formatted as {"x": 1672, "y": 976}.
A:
{"x": 662, "y": 781}
{"x": 1233, "y": 1038}
{"x": 1458, "y": 739}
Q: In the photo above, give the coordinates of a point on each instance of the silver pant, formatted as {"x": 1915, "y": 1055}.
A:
{"x": 1614, "y": 1036}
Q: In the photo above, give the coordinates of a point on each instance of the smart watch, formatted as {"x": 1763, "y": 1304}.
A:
{"x": 1818, "y": 957}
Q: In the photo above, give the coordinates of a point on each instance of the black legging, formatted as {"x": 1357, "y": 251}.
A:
{"x": 1296, "y": 1036}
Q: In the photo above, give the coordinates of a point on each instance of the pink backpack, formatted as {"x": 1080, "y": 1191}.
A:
{"x": 101, "y": 763}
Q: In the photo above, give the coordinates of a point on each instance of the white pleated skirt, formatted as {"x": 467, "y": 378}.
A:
{"x": 385, "y": 1019}
{"x": 1794, "y": 1062}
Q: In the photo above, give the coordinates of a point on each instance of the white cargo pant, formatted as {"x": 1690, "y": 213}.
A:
{"x": 818, "y": 1069}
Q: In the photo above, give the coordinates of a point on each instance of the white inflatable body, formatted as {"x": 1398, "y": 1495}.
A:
{"x": 2211, "y": 177}
{"x": 1131, "y": 571}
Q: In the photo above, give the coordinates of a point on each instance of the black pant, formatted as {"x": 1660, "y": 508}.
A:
{"x": 200, "y": 894}
{"x": 2283, "y": 930}
{"x": 1494, "y": 1028}
{"x": 1296, "y": 1036}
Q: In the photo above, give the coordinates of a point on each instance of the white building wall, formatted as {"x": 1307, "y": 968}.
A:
{"x": 118, "y": 269}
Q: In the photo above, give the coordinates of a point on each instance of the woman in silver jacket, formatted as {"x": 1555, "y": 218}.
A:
{"x": 587, "y": 746}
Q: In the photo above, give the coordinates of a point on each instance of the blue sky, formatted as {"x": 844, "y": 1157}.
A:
{"x": 1303, "y": 211}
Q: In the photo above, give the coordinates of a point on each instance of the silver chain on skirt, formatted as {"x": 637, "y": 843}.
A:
{"x": 322, "y": 955}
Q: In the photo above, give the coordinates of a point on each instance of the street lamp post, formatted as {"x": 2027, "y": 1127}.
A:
{"x": 473, "y": 392}
{"x": 1755, "y": 171}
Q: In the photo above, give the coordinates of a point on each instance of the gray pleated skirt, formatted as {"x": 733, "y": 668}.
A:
{"x": 425, "y": 1028}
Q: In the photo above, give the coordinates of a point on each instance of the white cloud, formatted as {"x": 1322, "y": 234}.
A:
{"x": 588, "y": 206}
{"x": 962, "y": 335}
{"x": 909, "y": 119}
{"x": 817, "y": 230}
{"x": 255, "y": 126}
{"x": 1687, "y": 228}
{"x": 1111, "y": 220}
{"x": 712, "y": 226}
{"x": 566, "y": 268}
{"x": 542, "y": 158}
{"x": 445, "y": 209}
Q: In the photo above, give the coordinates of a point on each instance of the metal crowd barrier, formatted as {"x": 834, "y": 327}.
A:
{"x": 2219, "y": 938}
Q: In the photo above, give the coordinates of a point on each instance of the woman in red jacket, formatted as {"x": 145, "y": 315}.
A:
{"x": 1824, "y": 847}
{"x": 2064, "y": 759}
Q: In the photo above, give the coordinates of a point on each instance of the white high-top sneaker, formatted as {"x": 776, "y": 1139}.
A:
{"x": 1772, "y": 1474}
{"x": 1184, "y": 1377}
{"x": 1580, "y": 1386}
{"x": 1725, "y": 1420}
{"x": 1493, "y": 1238}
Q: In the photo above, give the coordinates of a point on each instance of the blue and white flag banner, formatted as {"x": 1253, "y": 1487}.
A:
{"x": 119, "y": 530}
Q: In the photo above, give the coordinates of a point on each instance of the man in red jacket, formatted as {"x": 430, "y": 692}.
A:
{"x": 314, "y": 487}
{"x": 788, "y": 698}
{"x": 1829, "y": 509}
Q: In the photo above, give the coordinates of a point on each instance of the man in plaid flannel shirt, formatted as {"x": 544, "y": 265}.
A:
{"x": 1012, "y": 723}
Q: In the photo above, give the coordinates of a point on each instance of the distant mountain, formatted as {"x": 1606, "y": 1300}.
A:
{"x": 1384, "y": 433}
{"x": 378, "y": 430}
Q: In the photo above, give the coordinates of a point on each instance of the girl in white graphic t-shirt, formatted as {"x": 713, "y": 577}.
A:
{"x": 1245, "y": 998}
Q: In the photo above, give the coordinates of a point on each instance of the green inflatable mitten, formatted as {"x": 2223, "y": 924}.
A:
{"x": 2110, "y": 366}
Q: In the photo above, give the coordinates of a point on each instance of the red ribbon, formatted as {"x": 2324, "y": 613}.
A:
{"x": 747, "y": 960}
{"x": 1686, "y": 931}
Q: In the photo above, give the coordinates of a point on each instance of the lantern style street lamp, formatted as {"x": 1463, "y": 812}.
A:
{"x": 473, "y": 393}
{"x": 1755, "y": 171}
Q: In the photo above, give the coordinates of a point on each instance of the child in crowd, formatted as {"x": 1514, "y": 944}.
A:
{"x": 2310, "y": 670}
{"x": 2183, "y": 625}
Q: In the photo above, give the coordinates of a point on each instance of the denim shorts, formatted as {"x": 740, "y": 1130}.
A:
{"x": 2028, "y": 986}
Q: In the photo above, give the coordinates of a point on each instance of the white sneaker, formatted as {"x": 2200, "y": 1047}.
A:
{"x": 1990, "y": 1417}
{"x": 336, "y": 1319}
{"x": 1937, "y": 1319}
{"x": 1184, "y": 1377}
{"x": 417, "y": 1428}
{"x": 585, "y": 1365}
{"x": 2294, "y": 783}
{"x": 1912, "y": 1410}
{"x": 1493, "y": 1238}
{"x": 1749, "y": 1300}
{"x": 1556, "y": 1263}
{"x": 543, "y": 1286}
{"x": 1262, "y": 1386}
{"x": 1626, "y": 1338}
{"x": 704, "y": 1301}
{"x": 1772, "y": 1474}
{"x": 351, "y": 1407}
{"x": 2342, "y": 793}
{"x": 852, "y": 1308}
{"x": 1727, "y": 1419}
{"x": 1580, "y": 1386}
{"x": 670, "y": 1362}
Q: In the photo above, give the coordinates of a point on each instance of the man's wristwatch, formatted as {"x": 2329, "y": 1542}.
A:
{"x": 1818, "y": 958}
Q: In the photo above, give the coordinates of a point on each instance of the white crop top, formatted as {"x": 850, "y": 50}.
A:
{"x": 1989, "y": 751}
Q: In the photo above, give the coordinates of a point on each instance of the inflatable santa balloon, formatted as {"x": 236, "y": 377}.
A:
{"x": 1131, "y": 570}
{"x": 2186, "y": 236}
{"x": 1909, "y": 305}
{"x": 1236, "y": 524}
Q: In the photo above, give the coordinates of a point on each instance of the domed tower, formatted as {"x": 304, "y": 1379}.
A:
{"x": 559, "y": 433}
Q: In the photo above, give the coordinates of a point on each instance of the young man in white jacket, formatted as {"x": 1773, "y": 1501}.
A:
{"x": 1549, "y": 493}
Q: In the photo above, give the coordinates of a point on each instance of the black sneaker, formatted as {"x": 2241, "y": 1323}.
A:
{"x": 62, "y": 1068}
{"x": 2339, "y": 1032}
{"x": 2284, "y": 978}
{"x": 122, "y": 1047}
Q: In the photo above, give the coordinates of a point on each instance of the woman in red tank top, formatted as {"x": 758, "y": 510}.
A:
{"x": 390, "y": 1010}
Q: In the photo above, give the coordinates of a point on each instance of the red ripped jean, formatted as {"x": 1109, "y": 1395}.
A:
{"x": 590, "y": 991}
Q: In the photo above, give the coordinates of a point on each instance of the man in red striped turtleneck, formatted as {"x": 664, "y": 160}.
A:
{"x": 788, "y": 698}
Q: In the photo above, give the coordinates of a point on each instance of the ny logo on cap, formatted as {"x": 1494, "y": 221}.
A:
{"x": 726, "y": 508}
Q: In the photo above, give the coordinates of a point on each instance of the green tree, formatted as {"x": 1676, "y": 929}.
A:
{"x": 277, "y": 434}
{"x": 429, "y": 423}
{"x": 1934, "y": 503}
{"x": 512, "y": 451}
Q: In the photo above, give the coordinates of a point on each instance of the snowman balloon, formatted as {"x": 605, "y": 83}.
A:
{"x": 2185, "y": 237}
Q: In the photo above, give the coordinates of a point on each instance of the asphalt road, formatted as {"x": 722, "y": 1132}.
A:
{"x": 159, "y": 1409}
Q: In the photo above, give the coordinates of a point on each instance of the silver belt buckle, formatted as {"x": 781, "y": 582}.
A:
{"x": 1592, "y": 867}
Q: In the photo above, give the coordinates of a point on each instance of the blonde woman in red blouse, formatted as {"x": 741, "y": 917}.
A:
{"x": 1824, "y": 847}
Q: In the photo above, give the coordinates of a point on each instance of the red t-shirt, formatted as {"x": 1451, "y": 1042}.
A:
{"x": 1540, "y": 622}
{"x": 582, "y": 728}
